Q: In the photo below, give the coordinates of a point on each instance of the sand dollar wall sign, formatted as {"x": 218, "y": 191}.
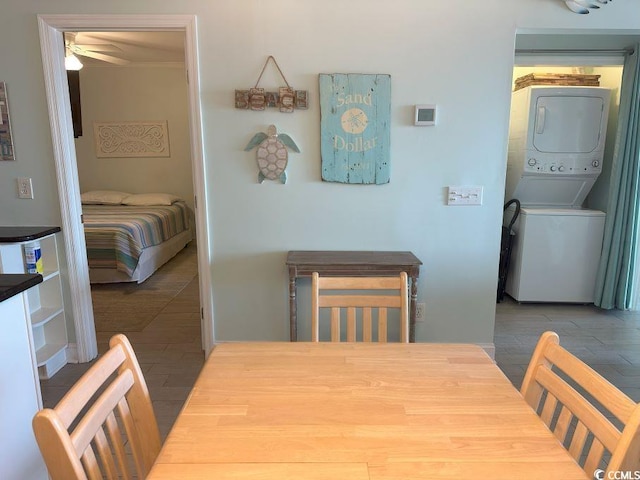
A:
{"x": 355, "y": 112}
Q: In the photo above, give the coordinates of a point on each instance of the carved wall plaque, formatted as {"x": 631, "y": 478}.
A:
{"x": 131, "y": 139}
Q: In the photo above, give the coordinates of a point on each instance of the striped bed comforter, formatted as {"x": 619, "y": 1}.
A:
{"x": 116, "y": 235}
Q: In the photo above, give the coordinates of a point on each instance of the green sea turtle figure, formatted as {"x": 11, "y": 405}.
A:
{"x": 272, "y": 154}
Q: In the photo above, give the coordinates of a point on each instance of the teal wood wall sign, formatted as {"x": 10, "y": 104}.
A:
{"x": 355, "y": 111}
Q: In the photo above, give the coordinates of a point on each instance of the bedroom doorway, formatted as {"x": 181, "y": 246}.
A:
{"x": 52, "y": 43}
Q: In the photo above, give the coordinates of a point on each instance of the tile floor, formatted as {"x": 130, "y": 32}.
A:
{"x": 170, "y": 354}
{"x": 608, "y": 340}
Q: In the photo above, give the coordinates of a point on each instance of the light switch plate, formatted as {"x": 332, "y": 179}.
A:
{"x": 464, "y": 195}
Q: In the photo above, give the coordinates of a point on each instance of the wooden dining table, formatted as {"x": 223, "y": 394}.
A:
{"x": 357, "y": 411}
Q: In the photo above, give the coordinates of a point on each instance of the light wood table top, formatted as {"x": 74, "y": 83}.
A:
{"x": 358, "y": 411}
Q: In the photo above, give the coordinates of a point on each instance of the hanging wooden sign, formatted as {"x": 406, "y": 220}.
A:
{"x": 285, "y": 99}
{"x": 355, "y": 112}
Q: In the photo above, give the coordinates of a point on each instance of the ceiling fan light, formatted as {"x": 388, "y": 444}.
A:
{"x": 71, "y": 62}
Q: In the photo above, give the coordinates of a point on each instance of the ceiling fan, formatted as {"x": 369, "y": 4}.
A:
{"x": 96, "y": 51}
{"x": 583, "y": 6}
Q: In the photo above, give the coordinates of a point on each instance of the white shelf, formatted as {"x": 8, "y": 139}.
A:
{"x": 43, "y": 315}
{"x": 45, "y": 303}
{"x": 47, "y": 352}
{"x": 46, "y": 275}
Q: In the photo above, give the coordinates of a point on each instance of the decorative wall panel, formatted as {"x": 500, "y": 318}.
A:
{"x": 131, "y": 139}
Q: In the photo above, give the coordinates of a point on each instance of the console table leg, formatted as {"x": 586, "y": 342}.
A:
{"x": 293, "y": 314}
{"x": 412, "y": 309}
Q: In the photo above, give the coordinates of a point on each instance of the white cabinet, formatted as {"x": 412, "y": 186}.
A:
{"x": 46, "y": 306}
{"x": 20, "y": 399}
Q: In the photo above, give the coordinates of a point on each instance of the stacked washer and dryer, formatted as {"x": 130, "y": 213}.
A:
{"x": 556, "y": 148}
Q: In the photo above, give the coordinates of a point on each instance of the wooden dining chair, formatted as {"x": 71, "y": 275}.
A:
{"x": 363, "y": 294}
{"x": 105, "y": 426}
{"x": 576, "y": 403}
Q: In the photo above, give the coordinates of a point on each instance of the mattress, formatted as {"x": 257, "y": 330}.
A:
{"x": 117, "y": 235}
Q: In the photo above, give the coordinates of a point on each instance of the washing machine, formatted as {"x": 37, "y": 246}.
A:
{"x": 555, "y": 255}
{"x": 556, "y": 147}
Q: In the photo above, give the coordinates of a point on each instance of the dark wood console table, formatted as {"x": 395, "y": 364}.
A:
{"x": 303, "y": 263}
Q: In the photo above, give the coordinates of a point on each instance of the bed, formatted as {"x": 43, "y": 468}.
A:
{"x": 129, "y": 241}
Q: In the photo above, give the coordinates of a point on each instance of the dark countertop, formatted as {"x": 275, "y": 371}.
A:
{"x": 24, "y": 234}
{"x": 14, "y": 283}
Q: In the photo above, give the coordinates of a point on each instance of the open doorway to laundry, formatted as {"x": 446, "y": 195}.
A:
{"x": 51, "y": 30}
{"x": 546, "y": 233}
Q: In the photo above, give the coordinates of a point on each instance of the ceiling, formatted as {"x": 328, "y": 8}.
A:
{"x": 135, "y": 48}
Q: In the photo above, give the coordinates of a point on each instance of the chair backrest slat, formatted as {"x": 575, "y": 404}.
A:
{"x": 559, "y": 386}
{"x": 97, "y": 414}
{"x": 548, "y": 409}
{"x": 382, "y": 325}
{"x": 367, "y": 328}
{"x": 361, "y": 301}
{"x": 593, "y": 419}
{"x": 592, "y": 382}
{"x": 91, "y": 464}
{"x": 351, "y": 324}
{"x": 360, "y": 297}
{"x": 104, "y": 454}
{"x": 563, "y": 424}
{"x": 594, "y": 457}
{"x": 80, "y": 394}
{"x": 84, "y": 436}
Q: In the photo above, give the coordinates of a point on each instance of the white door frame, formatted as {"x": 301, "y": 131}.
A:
{"x": 52, "y": 47}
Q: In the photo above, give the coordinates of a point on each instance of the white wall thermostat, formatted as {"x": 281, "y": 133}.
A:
{"x": 425, "y": 115}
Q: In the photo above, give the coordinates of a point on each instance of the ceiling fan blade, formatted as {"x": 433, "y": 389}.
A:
{"x": 98, "y": 47}
{"x": 576, "y": 7}
{"x": 104, "y": 58}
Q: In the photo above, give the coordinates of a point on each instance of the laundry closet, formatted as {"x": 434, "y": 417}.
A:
{"x": 562, "y": 130}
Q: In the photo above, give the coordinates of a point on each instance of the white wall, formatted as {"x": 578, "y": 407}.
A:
{"x": 136, "y": 93}
{"x": 457, "y": 54}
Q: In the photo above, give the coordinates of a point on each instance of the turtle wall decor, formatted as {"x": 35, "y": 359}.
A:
{"x": 272, "y": 155}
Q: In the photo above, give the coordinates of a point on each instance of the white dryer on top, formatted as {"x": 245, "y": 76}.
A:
{"x": 556, "y": 144}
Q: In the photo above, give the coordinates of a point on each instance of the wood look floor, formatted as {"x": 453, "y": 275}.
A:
{"x": 169, "y": 347}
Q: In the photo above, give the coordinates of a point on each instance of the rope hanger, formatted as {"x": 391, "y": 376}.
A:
{"x": 270, "y": 57}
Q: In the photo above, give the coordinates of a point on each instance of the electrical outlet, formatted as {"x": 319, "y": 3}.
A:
{"x": 420, "y": 312}
{"x": 25, "y": 188}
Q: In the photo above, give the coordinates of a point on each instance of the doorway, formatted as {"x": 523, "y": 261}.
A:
{"x": 555, "y": 58}
{"x": 52, "y": 43}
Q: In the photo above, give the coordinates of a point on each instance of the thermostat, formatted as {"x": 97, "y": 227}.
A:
{"x": 425, "y": 115}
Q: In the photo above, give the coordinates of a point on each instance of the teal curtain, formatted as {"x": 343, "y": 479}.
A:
{"x": 614, "y": 284}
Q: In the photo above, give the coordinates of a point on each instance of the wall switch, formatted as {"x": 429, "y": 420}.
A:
{"x": 464, "y": 195}
{"x": 420, "y": 312}
{"x": 25, "y": 188}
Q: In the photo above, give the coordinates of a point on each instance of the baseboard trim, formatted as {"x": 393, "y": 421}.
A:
{"x": 490, "y": 348}
{"x": 72, "y": 353}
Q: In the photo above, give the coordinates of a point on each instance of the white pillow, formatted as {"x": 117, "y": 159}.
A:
{"x": 150, "y": 199}
{"x": 103, "y": 197}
